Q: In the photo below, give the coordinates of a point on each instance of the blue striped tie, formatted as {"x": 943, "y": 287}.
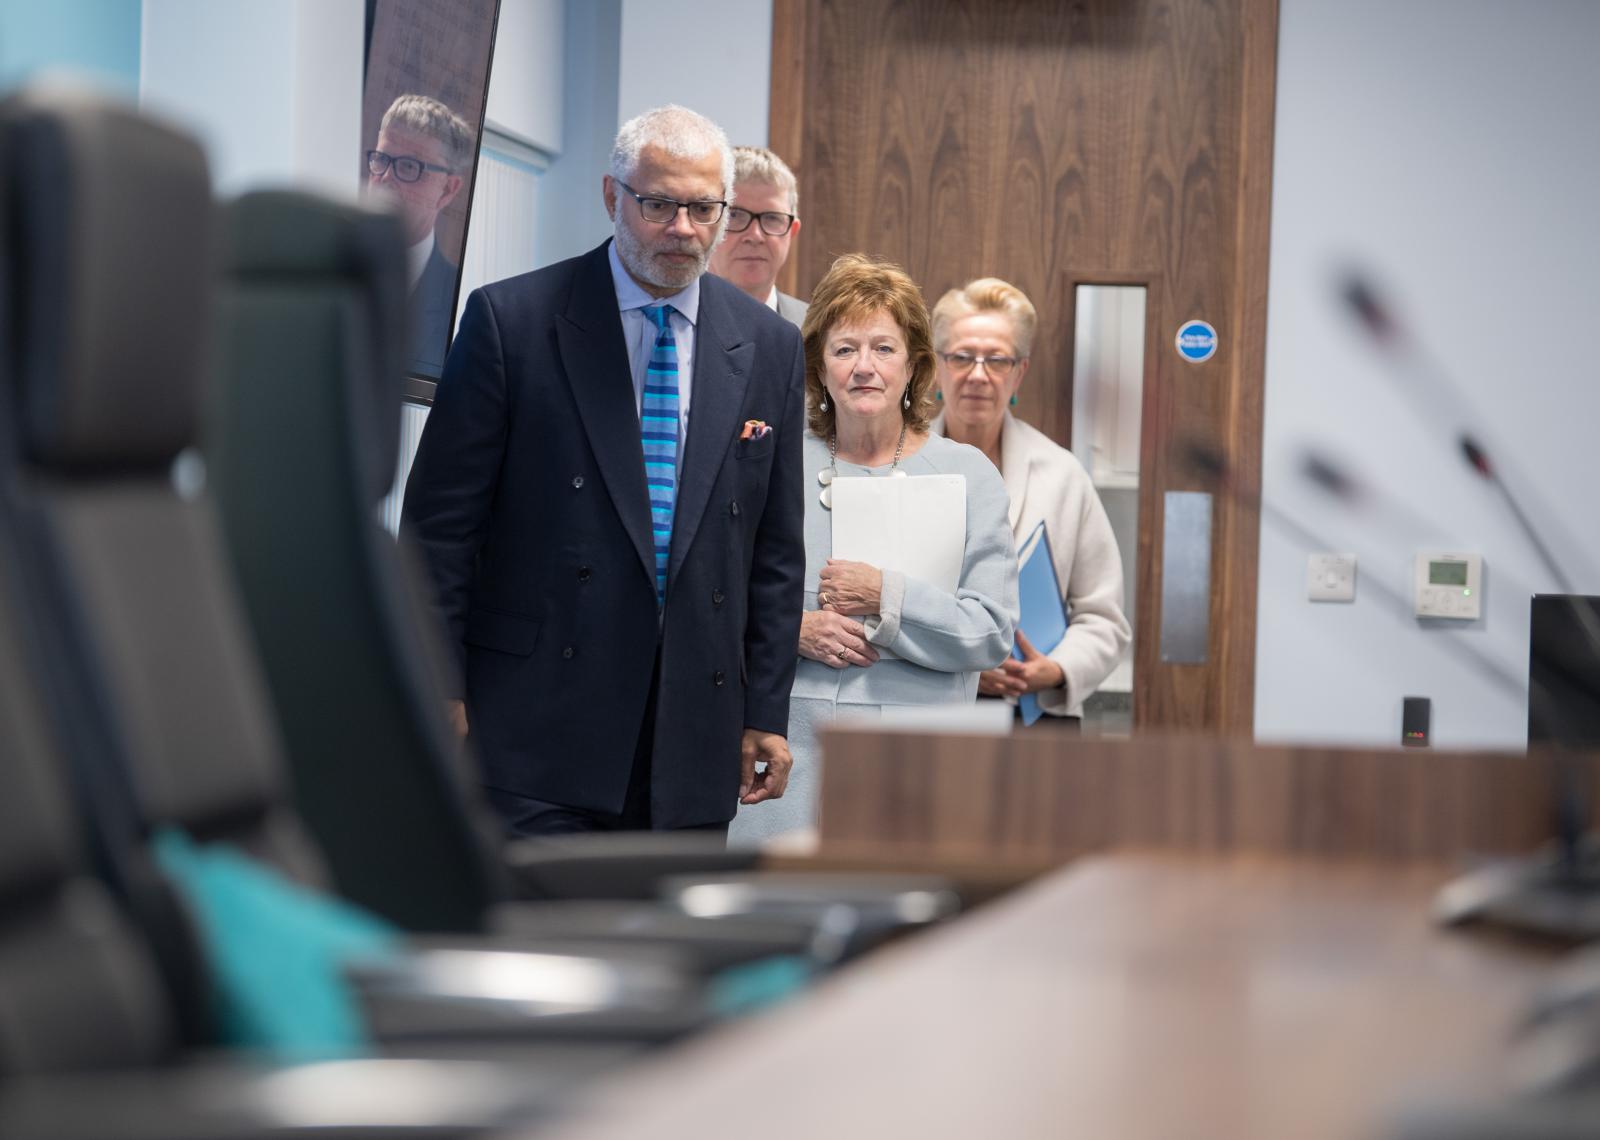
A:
{"x": 658, "y": 428}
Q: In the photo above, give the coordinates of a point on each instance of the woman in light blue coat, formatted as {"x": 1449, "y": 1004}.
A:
{"x": 871, "y": 637}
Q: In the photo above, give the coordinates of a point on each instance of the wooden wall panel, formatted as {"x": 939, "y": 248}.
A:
{"x": 1053, "y": 144}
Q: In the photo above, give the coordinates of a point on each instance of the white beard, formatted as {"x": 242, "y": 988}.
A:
{"x": 637, "y": 257}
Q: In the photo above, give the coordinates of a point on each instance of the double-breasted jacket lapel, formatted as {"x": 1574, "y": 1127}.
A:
{"x": 722, "y": 361}
{"x": 594, "y": 358}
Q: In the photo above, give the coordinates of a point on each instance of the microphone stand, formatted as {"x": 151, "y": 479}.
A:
{"x": 1556, "y": 895}
{"x": 1210, "y": 462}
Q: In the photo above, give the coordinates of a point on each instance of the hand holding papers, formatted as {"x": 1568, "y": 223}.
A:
{"x": 917, "y": 526}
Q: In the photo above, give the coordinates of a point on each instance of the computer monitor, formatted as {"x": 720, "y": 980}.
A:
{"x": 1564, "y": 671}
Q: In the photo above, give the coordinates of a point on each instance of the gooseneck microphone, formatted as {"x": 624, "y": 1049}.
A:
{"x": 1378, "y": 318}
{"x": 1570, "y": 807}
{"x": 1205, "y": 459}
{"x": 1327, "y": 475}
{"x": 1478, "y": 459}
{"x": 1562, "y": 896}
{"x": 1421, "y": 377}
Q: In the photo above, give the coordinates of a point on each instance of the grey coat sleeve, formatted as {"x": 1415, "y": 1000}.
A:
{"x": 972, "y": 629}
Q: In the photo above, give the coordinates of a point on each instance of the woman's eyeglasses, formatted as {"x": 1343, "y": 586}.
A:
{"x": 961, "y": 363}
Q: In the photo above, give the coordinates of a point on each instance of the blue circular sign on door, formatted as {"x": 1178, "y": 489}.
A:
{"x": 1196, "y": 341}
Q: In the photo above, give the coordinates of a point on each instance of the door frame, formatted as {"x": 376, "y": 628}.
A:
{"x": 1225, "y": 703}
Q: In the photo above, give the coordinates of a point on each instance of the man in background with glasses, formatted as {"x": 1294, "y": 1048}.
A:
{"x": 417, "y": 169}
{"x": 608, "y": 495}
{"x": 762, "y": 223}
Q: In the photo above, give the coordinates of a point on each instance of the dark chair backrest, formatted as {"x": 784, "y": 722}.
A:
{"x": 77, "y": 989}
{"x": 109, "y": 219}
{"x": 302, "y": 447}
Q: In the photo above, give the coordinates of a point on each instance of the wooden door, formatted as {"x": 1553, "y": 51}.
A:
{"x": 1054, "y": 144}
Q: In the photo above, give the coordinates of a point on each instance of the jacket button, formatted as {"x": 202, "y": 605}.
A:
{"x": 733, "y": 508}
{"x": 577, "y": 482}
{"x": 716, "y": 597}
{"x": 568, "y": 652}
{"x": 716, "y": 678}
{"x": 583, "y": 573}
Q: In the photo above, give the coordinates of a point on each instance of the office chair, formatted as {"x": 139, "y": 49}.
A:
{"x": 89, "y": 1040}
{"x": 109, "y": 276}
{"x": 303, "y": 442}
{"x": 91, "y": 1036}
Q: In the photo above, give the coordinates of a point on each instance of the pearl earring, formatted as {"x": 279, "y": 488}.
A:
{"x": 908, "y": 398}
{"x": 822, "y": 407}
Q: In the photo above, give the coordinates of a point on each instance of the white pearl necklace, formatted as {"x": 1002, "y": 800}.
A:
{"x": 827, "y": 475}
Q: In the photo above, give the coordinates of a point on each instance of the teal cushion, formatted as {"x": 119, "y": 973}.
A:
{"x": 759, "y": 984}
{"x": 276, "y": 952}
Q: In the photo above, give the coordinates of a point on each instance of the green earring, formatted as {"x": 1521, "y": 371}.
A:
{"x": 939, "y": 396}
{"x": 1013, "y": 401}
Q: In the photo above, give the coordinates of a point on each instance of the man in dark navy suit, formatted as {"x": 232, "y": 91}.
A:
{"x": 608, "y": 495}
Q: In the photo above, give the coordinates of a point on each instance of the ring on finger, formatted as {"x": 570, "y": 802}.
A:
{"x": 840, "y": 654}
{"x": 822, "y": 598}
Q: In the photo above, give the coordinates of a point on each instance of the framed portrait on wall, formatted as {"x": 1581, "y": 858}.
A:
{"x": 426, "y": 83}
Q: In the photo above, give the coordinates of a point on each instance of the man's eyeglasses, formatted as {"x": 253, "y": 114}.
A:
{"x": 772, "y": 222}
{"x": 403, "y": 166}
{"x": 961, "y": 363}
{"x": 664, "y": 210}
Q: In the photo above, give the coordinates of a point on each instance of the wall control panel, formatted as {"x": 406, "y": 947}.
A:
{"x": 1331, "y": 578}
{"x": 1449, "y": 584}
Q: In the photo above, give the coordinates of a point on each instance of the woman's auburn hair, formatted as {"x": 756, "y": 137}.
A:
{"x": 857, "y": 287}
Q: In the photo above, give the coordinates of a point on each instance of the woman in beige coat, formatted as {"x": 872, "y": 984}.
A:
{"x": 982, "y": 334}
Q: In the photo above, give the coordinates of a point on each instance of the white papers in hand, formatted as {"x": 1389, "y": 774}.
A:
{"x": 917, "y": 526}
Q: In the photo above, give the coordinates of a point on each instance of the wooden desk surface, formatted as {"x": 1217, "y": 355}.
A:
{"x": 1126, "y": 996}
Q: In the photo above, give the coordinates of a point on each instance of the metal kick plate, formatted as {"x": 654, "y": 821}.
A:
{"x": 1186, "y": 578}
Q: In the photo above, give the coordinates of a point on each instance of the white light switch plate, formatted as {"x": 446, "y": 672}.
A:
{"x": 1331, "y": 578}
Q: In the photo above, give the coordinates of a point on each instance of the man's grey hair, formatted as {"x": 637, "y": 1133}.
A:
{"x": 423, "y": 115}
{"x": 678, "y": 131}
{"x": 758, "y": 164}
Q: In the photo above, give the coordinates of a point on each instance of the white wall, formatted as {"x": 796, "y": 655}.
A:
{"x": 571, "y": 217}
{"x": 626, "y": 56}
{"x": 528, "y": 75}
{"x": 272, "y": 87}
{"x": 1445, "y": 146}
{"x": 714, "y": 56}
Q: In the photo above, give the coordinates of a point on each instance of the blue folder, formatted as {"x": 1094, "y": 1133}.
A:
{"x": 1044, "y": 614}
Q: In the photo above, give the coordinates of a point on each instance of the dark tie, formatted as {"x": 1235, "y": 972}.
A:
{"x": 658, "y": 427}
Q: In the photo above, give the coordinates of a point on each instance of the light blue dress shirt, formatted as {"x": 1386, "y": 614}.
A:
{"x": 640, "y": 334}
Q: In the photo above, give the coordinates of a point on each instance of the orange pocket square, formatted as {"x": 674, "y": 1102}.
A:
{"x": 754, "y": 429}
